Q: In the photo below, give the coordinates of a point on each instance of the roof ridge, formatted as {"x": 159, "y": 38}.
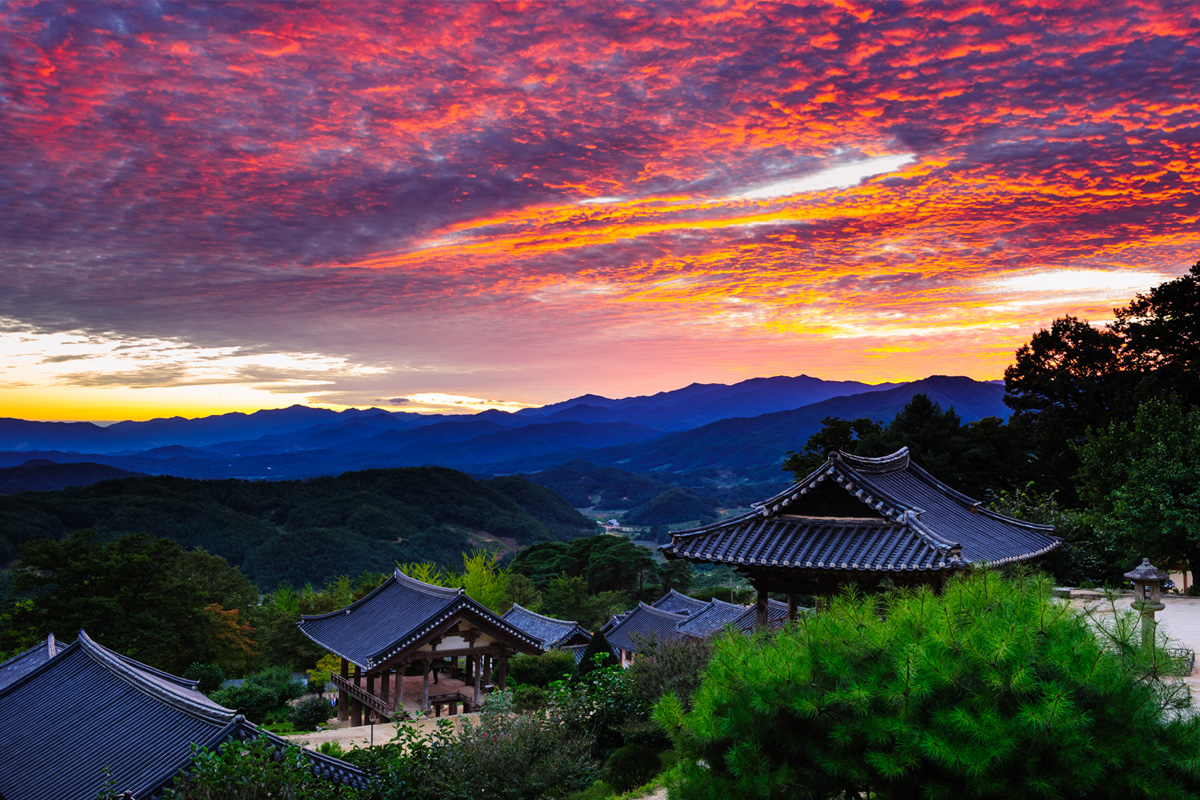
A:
{"x": 892, "y": 462}
{"x": 540, "y": 616}
{"x": 123, "y": 668}
{"x": 427, "y": 588}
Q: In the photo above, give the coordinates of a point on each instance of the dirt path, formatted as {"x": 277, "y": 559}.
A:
{"x": 364, "y": 736}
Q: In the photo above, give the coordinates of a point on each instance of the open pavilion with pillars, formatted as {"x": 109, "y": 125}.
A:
{"x": 871, "y": 522}
{"x": 406, "y": 622}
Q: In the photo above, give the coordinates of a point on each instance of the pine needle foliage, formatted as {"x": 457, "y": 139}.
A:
{"x": 992, "y": 690}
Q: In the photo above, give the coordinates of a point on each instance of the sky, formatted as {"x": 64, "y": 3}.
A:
{"x": 210, "y": 207}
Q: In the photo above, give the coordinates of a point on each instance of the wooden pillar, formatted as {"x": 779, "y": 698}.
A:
{"x": 343, "y": 711}
{"x": 487, "y": 670}
{"x": 468, "y": 667}
{"x": 502, "y": 672}
{"x": 792, "y": 614}
{"x": 371, "y": 683}
{"x": 385, "y": 688}
{"x": 356, "y": 718}
{"x": 425, "y": 685}
{"x": 475, "y": 670}
{"x": 760, "y": 607}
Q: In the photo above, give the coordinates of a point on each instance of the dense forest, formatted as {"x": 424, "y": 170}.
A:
{"x": 305, "y": 531}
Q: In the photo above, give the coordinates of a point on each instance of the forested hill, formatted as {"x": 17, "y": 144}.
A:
{"x": 299, "y": 531}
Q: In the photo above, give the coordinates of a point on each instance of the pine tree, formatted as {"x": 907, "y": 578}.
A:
{"x": 993, "y": 690}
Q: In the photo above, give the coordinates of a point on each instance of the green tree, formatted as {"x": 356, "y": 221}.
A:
{"x": 1141, "y": 481}
{"x": 139, "y": 595}
{"x": 1075, "y": 376}
{"x": 978, "y": 458}
{"x": 992, "y": 690}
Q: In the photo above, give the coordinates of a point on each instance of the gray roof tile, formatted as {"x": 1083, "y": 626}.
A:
{"x": 397, "y": 615}
{"x": 549, "y": 631}
{"x": 90, "y": 709}
{"x": 642, "y": 624}
{"x": 916, "y": 523}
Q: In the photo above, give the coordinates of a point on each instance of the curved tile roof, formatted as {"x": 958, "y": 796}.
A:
{"x": 711, "y": 619}
{"x": 917, "y": 523}
{"x": 643, "y": 623}
{"x": 395, "y": 616}
{"x": 678, "y": 603}
{"x": 97, "y": 709}
{"x": 549, "y": 631}
{"x": 23, "y": 663}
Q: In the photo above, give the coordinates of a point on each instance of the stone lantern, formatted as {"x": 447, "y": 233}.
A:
{"x": 1147, "y": 590}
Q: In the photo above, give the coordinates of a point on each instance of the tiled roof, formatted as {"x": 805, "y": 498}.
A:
{"x": 776, "y": 616}
{"x": 642, "y": 624}
{"x": 88, "y": 709}
{"x": 710, "y": 620}
{"x": 24, "y": 663}
{"x": 678, "y": 603}
{"x": 549, "y": 631}
{"x": 397, "y": 615}
{"x": 911, "y": 521}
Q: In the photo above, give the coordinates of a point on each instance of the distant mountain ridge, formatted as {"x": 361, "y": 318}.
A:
{"x": 742, "y": 429}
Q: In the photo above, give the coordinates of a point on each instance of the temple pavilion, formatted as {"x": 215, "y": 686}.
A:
{"x": 81, "y": 718}
{"x": 866, "y": 521}
{"x": 455, "y": 644}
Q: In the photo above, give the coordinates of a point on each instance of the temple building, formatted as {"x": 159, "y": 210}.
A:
{"x": 87, "y": 719}
{"x": 676, "y": 616}
{"x": 867, "y": 521}
{"x": 551, "y": 633}
{"x": 455, "y": 645}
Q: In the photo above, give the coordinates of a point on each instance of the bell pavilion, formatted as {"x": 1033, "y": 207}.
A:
{"x": 406, "y": 625}
{"x": 866, "y": 521}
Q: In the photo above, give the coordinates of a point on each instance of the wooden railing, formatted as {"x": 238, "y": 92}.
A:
{"x": 363, "y": 696}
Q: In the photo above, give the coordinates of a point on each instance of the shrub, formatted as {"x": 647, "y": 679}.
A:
{"x": 993, "y": 690}
{"x": 598, "y": 653}
{"x": 309, "y": 712}
{"x": 540, "y": 670}
{"x": 672, "y": 666}
{"x": 209, "y": 677}
{"x": 529, "y": 698}
{"x": 252, "y": 771}
{"x": 331, "y": 749}
{"x": 261, "y": 693}
{"x": 511, "y": 757}
{"x": 630, "y": 766}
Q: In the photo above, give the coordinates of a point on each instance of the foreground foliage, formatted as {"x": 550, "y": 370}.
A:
{"x": 994, "y": 690}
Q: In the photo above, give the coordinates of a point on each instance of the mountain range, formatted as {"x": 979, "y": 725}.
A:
{"x": 730, "y": 433}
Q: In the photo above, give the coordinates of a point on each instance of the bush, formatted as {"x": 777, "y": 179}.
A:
{"x": 630, "y": 766}
{"x": 993, "y": 690}
{"x": 671, "y": 666}
{"x": 250, "y": 771}
{"x": 511, "y": 756}
{"x": 261, "y": 693}
{"x": 209, "y": 677}
{"x": 540, "y": 670}
{"x": 309, "y": 712}
{"x": 529, "y": 698}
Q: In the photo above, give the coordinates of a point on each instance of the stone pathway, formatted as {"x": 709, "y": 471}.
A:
{"x": 1180, "y": 621}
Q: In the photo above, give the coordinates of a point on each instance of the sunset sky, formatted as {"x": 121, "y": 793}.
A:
{"x": 212, "y": 207}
